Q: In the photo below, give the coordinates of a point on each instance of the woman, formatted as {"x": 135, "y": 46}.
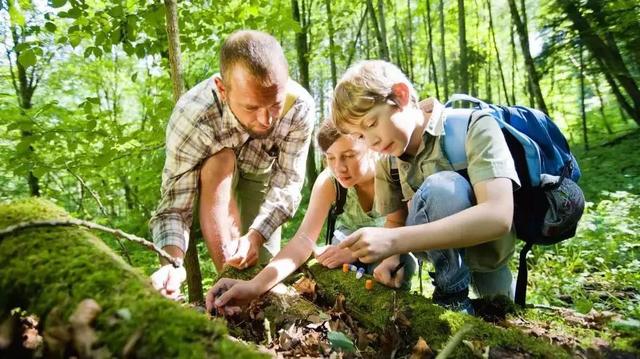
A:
{"x": 353, "y": 166}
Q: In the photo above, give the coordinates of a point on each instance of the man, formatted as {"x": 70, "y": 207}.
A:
{"x": 238, "y": 141}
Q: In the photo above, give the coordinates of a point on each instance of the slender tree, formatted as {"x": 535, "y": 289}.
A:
{"x": 528, "y": 60}
{"x": 443, "y": 53}
{"x": 379, "y": 29}
{"x": 462, "y": 43}
{"x": 495, "y": 46}
{"x": 429, "y": 33}
{"x": 610, "y": 59}
{"x": 332, "y": 55}
{"x": 26, "y": 73}
{"x": 191, "y": 262}
{"x": 302, "y": 16}
{"x": 410, "y": 40}
{"x": 363, "y": 20}
{"x": 583, "y": 112}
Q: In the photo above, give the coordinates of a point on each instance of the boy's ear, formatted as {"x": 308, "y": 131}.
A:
{"x": 401, "y": 94}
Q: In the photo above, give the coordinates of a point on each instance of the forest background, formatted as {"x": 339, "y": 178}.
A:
{"x": 86, "y": 94}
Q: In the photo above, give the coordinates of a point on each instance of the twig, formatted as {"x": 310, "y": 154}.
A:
{"x": 177, "y": 262}
{"x": 93, "y": 194}
{"x": 453, "y": 342}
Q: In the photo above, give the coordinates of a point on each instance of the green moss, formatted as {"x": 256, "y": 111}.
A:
{"x": 436, "y": 325}
{"x": 57, "y": 267}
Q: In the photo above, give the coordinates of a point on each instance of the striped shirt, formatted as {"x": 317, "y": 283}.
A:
{"x": 197, "y": 130}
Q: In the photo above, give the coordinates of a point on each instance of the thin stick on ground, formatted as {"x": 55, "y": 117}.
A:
{"x": 77, "y": 222}
{"x": 454, "y": 341}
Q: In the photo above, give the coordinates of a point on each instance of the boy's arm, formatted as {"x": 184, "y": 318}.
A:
{"x": 490, "y": 219}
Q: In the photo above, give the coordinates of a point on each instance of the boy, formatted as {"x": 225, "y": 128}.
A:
{"x": 463, "y": 227}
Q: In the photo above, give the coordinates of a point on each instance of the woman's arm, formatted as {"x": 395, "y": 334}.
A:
{"x": 298, "y": 250}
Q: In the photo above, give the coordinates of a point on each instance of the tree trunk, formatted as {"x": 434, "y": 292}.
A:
{"x": 611, "y": 59}
{"x": 24, "y": 88}
{"x": 363, "y": 20}
{"x": 383, "y": 49}
{"x": 302, "y": 51}
{"x": 528, "y": 60}
{"x": 495, "y": 46}
{"x": 48, "y": 271}
{"x": 432, "y": 63}
{"x": 382, "y": 22}
{"x": 513, "y": 63}
{"x": 332, "y": 55}
{"x": 605, "y": 122}
{"x": 462, "y": 42}
{"x": 583, "y": 111}
{"x": 443, "y": 54}
{"x": 191, "y": 261}
{"x": 175, "y": 55}
{"x": 410, "y": 41}
{"x": 137, "y": 322}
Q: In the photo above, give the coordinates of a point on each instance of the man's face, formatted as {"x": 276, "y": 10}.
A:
{"x": 255, "y": 105}
{"x": 386, "y": 129}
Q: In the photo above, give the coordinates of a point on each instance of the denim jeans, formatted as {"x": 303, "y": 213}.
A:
{"x": 441, "y": 195}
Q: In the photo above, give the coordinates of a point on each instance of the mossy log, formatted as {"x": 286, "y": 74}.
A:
{"x": 416, "y": 316}
{"x": 48, "y": 271}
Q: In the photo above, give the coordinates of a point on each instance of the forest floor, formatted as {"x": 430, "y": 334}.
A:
{"x": 583, "y": 294}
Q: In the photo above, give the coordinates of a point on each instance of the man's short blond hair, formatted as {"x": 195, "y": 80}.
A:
{"x": 259, "y": 53}
{"x": 363, "y": 87}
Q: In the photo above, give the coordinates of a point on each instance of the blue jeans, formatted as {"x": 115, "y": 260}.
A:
{"x": 441, "y": 195}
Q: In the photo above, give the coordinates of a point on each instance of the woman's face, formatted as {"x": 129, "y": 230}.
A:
{"x": 349, "y": 160}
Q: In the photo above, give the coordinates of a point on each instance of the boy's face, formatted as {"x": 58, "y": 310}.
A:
{"x": 386, "y": 129}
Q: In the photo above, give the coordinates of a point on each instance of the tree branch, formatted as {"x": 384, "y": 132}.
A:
{"x": 93, "y": 194}
{"x": 78, "y": 222}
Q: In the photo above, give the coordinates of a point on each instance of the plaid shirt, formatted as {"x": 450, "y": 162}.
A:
{"x": 197, "y": 130}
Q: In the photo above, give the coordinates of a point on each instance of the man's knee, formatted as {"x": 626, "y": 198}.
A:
{"x": 220, "y": 165}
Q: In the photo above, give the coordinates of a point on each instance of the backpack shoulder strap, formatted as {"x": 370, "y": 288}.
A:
{"x": 288, "y": 103}
{"x": 393, "y": 170}
{"x": 336, "y": 210}
{"x": 456, "y": 126}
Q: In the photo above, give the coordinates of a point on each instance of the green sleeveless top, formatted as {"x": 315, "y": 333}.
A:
{"x": 354, "y": 217}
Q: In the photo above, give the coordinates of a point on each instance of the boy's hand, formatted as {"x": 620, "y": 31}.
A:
{"x": 383, "y": 272}
{"x": 370, "y": 244}
{"x": 229, "y": 294}
{"x": 334, "y": 257}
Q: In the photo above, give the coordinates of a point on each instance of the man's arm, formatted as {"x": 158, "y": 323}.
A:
{"x": 285, "y": 185}
{"x": 219, "y": 219}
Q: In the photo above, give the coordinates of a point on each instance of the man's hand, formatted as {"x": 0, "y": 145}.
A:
{"x": 383, "y": 272}
{"x": 370, "y": 244}
{"x": 243, "y": 252}
{"x": 334, "y": 257}
{"x": 229, "y": 294}
{"x": 167, "y": 280}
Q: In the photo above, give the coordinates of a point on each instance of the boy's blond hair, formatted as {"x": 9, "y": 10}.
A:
{"x": 364, "y": 86}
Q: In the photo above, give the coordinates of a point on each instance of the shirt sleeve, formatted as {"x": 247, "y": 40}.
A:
{"x": 186, "y": 146}
{"x": 388, "y": 198}
{"x": 287, "y": 179}
{"x": 487, "y": 152}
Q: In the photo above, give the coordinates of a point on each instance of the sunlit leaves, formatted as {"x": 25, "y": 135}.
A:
{"x": 27, "y": 58}
{"x": 57, "y": 3}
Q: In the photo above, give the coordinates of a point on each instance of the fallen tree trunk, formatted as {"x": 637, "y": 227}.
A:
{"x": 405, "y": 317}
{"x": 49, "y": 271}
